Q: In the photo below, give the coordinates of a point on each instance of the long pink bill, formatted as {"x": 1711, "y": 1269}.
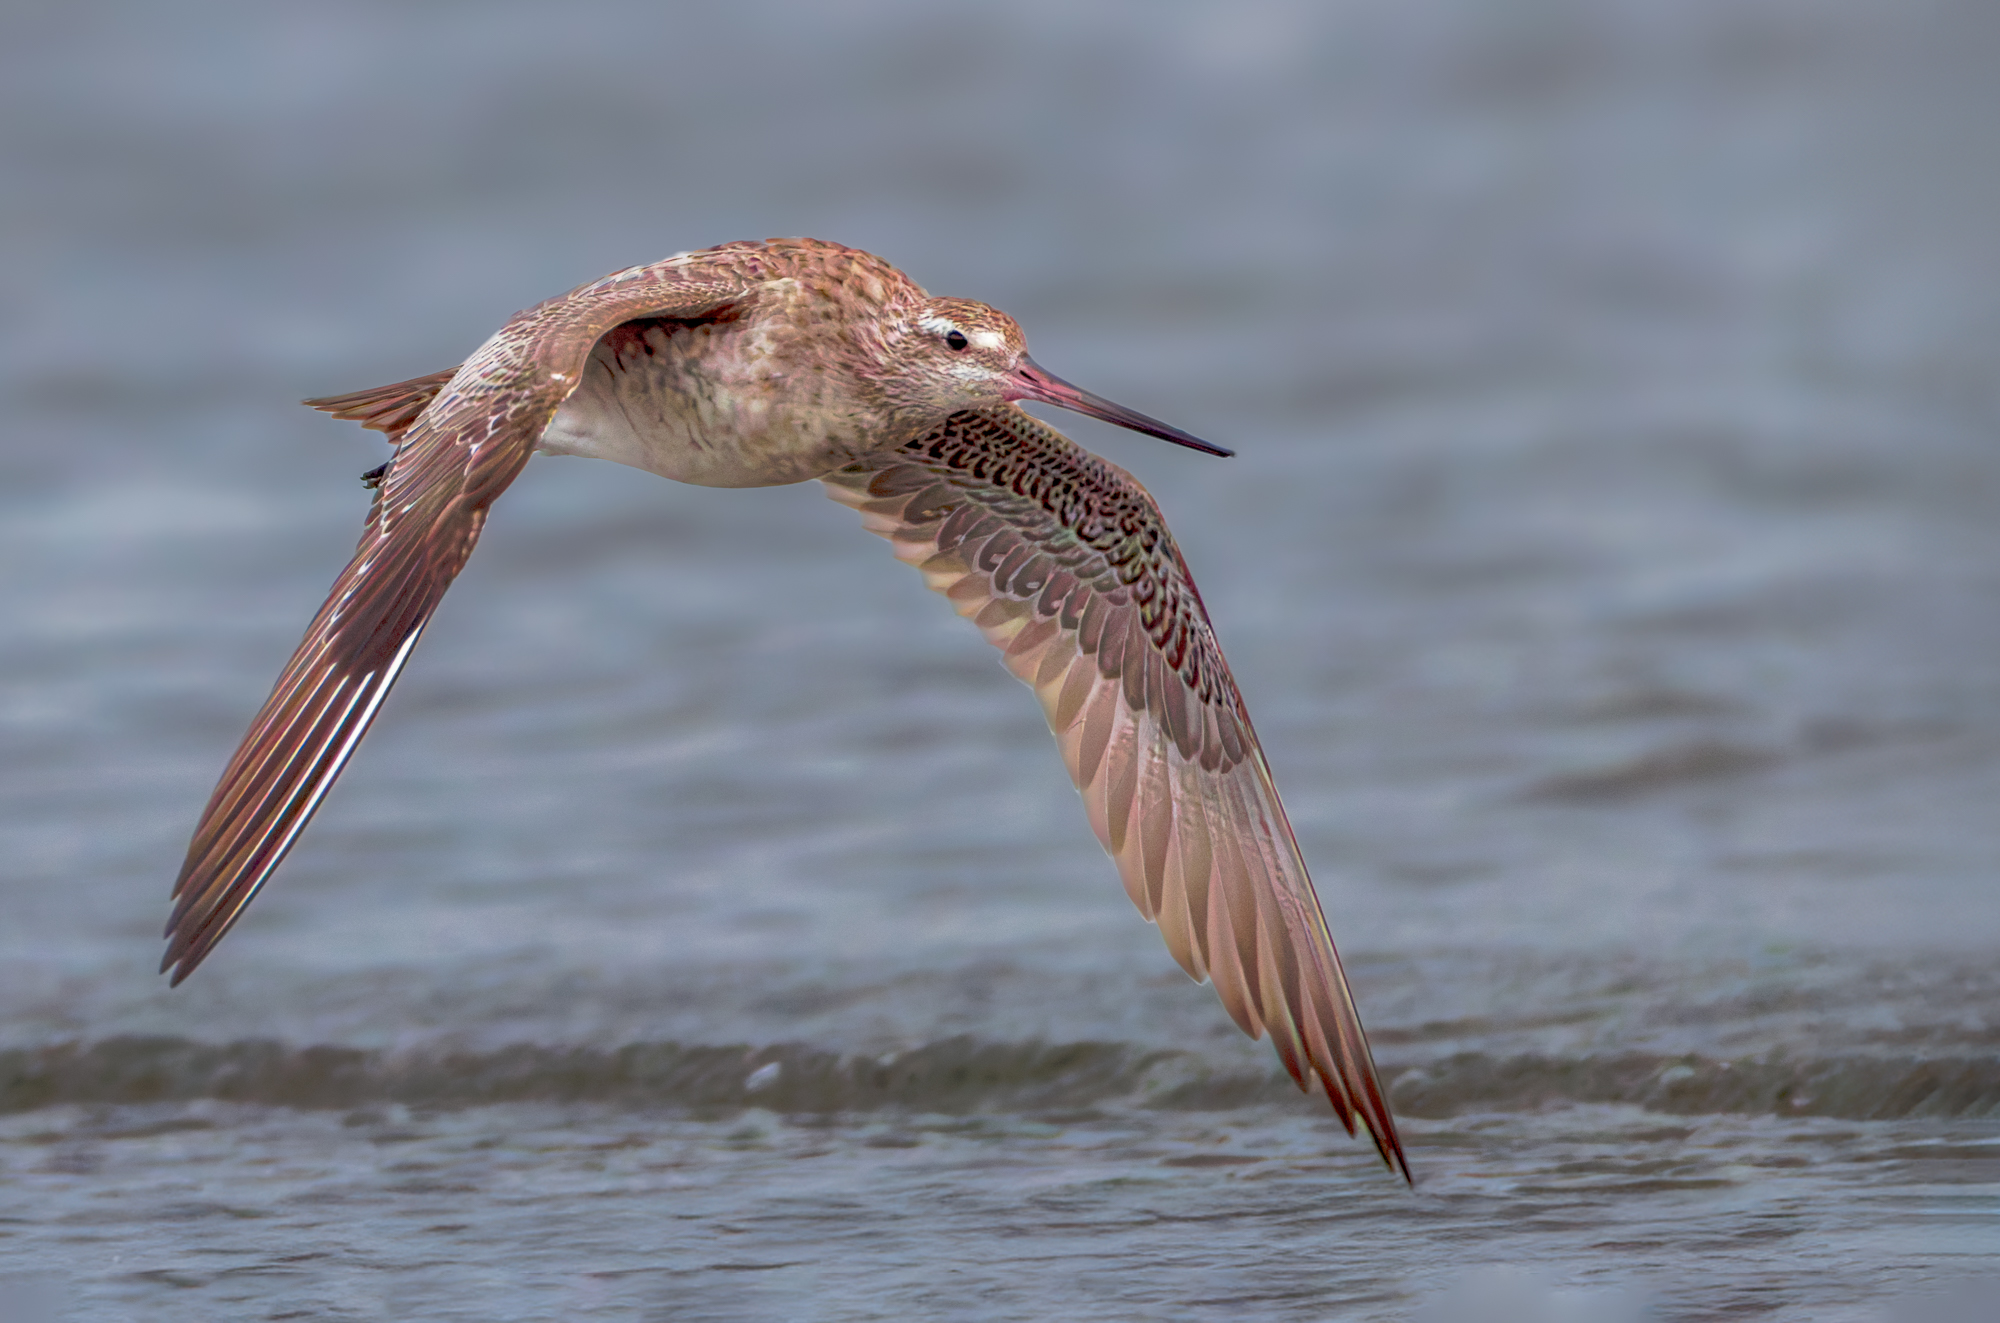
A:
{"x": 1035, "y": 382}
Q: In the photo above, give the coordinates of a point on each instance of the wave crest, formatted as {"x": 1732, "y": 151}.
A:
{"x": 960, "y": 1075}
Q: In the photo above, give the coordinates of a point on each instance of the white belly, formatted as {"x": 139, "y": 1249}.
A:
{"x": 708, "y": 404}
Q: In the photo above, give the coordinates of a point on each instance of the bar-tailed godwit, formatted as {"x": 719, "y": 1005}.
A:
{"x": 754, "y": 364}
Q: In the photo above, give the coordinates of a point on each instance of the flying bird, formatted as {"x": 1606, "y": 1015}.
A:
{"x": 760, "y": 363}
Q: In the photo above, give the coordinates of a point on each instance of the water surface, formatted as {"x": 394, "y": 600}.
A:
{"x": 708, "y": 930}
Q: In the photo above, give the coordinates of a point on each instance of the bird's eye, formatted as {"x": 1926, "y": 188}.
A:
{"x": 956, "y": 339}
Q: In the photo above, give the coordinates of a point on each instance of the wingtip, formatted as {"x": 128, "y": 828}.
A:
{"x": 1389, "y": 1145}
{"x": 1381, "y": 1129}
{"x": 172, "y": 964}
{"x": 179, "y": 960}
{"x": 1381, "y": 1124}
{"x": 185, "y": 954}
{"x": 186, "y": 934}
{"x": 1396, "y": 1160}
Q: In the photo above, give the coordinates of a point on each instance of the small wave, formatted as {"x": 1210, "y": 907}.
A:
{"x": 1857, "y": 1088}
{"x": 1657, "y": 769}
{"x": 960, "y": 1075}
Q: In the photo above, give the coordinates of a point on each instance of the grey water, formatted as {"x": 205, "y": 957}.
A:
{"x": 707, "y": 931}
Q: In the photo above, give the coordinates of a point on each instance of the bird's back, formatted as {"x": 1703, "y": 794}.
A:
{"x": 771, "y": 388}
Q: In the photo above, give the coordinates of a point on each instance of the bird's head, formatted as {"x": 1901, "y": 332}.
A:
{"x": 956, "y": 354}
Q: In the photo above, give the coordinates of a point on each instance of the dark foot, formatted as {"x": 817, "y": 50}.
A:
{"x": 372, "y": 479}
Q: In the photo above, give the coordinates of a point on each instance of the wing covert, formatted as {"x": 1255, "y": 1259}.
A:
{"x": 1064, "y": 563}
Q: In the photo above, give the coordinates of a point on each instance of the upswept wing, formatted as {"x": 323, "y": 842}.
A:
{"x": 457, "y": 452}
{"x": 1064, "y": 563}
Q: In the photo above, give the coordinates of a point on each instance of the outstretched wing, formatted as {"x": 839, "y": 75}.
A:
{"x": 1063, "y": 561}
{"x": 463, "y": 440}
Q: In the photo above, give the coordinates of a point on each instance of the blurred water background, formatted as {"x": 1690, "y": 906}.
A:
{"x": 708, "y": 930}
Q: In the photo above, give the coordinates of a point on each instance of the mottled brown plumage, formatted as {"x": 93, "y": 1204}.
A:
{"x": 759, "y": 363}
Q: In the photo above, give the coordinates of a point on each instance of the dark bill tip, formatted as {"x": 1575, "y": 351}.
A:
{"x": 1034, "y": 382}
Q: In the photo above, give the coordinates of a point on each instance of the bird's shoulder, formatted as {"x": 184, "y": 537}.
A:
{"x": 804, "y": 279}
